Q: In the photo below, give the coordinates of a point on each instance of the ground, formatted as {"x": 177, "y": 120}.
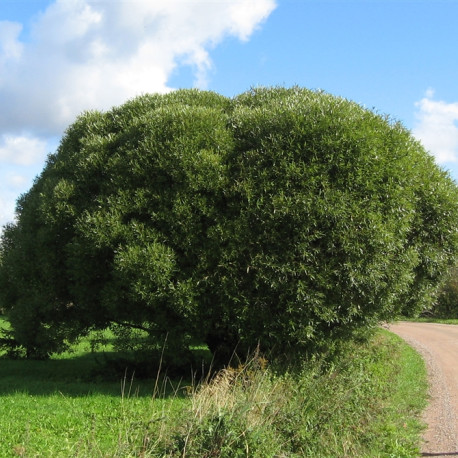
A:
{"x": 438, "y": 344}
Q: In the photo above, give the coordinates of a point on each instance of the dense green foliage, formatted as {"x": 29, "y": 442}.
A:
{"x": 284, "y": 217}
{"x": 446, "y": 305}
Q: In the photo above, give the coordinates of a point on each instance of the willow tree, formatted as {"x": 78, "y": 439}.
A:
{"x": 286, "y": 218}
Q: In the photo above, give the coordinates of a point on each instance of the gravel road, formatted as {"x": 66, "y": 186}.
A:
{"x": 438, "y": 344}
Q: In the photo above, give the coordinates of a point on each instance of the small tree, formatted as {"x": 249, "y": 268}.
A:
{"x": 123, "y": 208}
{"x": 337, "y": 218}
{"x": 286, "y": 218}
{"x": 446, "y": 305}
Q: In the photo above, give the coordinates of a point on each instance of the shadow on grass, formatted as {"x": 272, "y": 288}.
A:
{"x": 440, "y": 454}
{"x": 84, "y": 375}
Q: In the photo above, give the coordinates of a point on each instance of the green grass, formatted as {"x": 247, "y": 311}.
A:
{"x": 59, "y": 425}
{"x": 56, "y": 408}
{"x": 366, "y": 404}
{"x": 399, "y": 427}
{"x": 431, "y": 320}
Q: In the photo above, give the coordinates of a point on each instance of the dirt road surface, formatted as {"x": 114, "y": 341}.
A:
{"x": 438, "y": 344}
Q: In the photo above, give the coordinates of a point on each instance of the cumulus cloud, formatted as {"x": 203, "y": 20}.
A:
{"x": 437, "y": 127}
{"x": 10, "y": 47}
{"x": 22, "y": 150}
{"x": 84, "y": 54}
{"x": 16, "y": 181}
{"x": 7, "y": 206}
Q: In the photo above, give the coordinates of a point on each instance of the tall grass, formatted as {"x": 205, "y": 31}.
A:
{"x": 431, "y": 320}
{"x": 364, "y": 404}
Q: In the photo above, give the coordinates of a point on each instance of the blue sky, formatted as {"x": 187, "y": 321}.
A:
{"x": 60, "y": 57}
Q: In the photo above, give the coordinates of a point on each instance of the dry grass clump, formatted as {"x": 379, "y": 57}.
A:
{"x": 232, "y": 413}
{"x": 341, "y": 408}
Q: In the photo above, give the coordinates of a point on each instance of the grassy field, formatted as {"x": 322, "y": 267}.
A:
{"x": 365, "y": 405}
{"x": 58, "y": 408}
{"x": 432, "y": 320}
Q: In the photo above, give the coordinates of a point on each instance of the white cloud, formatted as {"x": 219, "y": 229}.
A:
{"x": 16, "y": 181}
{"x": 437, "y": 127}
{"x": 7, "y": 206}
{"x": 22, "y": 150}
{"x": 95, "y": 54}
{"x": 10, "y": 47}
{"x": 245, "y": 17}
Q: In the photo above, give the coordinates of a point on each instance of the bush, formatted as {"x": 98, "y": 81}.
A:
{"x": 446, "y": 305}
{"x": 283, "y": 217}
{"x": 336, "y": 218}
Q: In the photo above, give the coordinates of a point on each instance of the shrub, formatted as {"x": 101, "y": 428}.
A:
{"x": 283, "y": 217}
{"x": 336, "y": 219}
{"x": 446, "y": 305}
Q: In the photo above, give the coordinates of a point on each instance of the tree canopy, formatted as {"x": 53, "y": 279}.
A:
{"x": 282, "y": 217}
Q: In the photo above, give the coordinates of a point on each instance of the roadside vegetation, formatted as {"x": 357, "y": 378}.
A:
{"x": 445, "y": 308}
{"x": 446, "y": 304}
{"x": 423, "y": 319}
{"x": 284, "y": 217}
{"x": 366, "y": 402}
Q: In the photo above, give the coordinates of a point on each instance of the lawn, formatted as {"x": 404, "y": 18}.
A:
{"x": 63, "y": 406}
